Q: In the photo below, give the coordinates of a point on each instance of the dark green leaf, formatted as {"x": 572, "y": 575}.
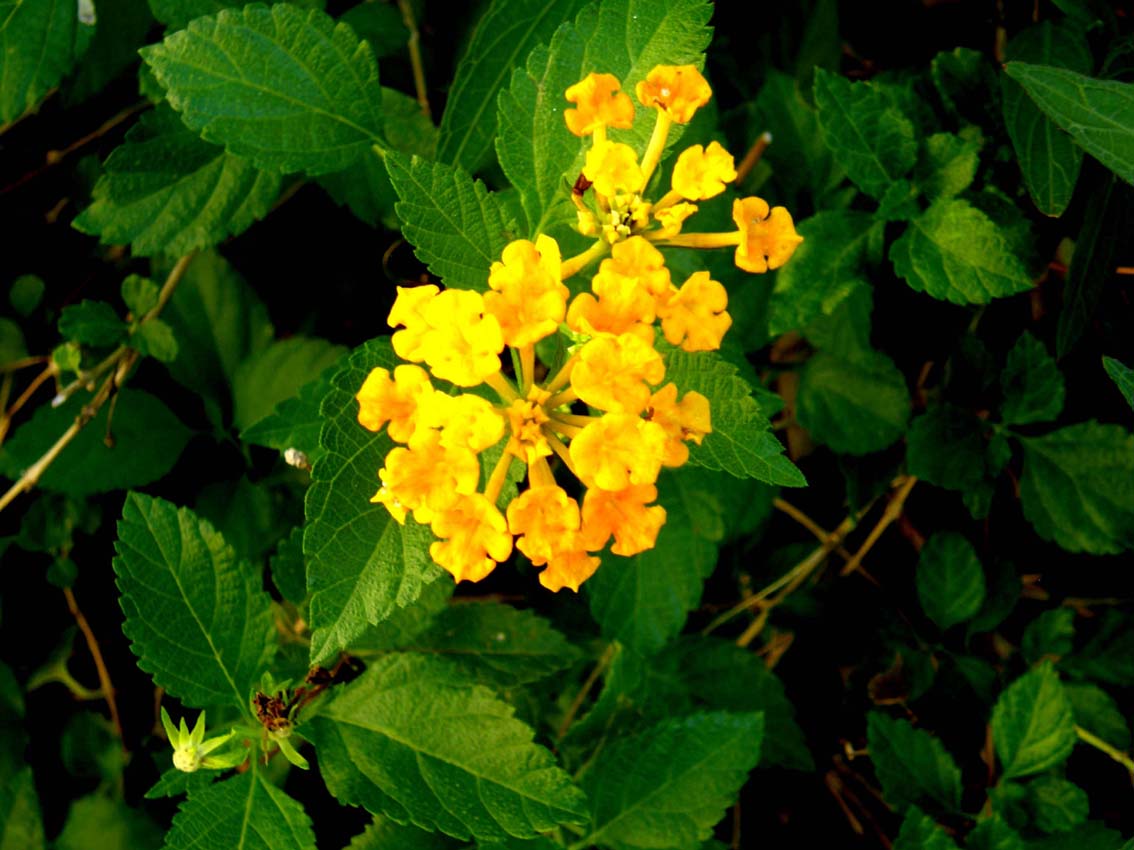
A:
{"x": 1123, "y": 377}
{"x": 855, "y": 407}
{"x": 1049, "y": 160}
{"x": 120, "y": 30}
{"x": 945, "y": 447}
{"x": 954, "y": 252}
{"x": 947, "y": 165}
{"x": 92, "y": 323}
{"x": 457, "y": 227}
{"x": 277, "y": 373}
{"x": 1090, "y": 836}
{"x": 289, "y": 569}
{"x": 950, "y": 579}
{"x": 502, "y": 39}
{"x": 1109, "y": 655}
{"x": 668, "y": 786}
{"x": 174, "y": 783}
{"x": 37, "y": 48}
{"x": 1078, "y": 487}
{"x": 287, "y": 88}
{"x": 410, "y": 738}
{"x": 868, "y": 136}
{"x": 1057, "y": 805}
{"x": 385, "y": 834}
{"x": 1097, "y": 114}
{"x": 147, "y": 440}
{"x": 1032, "y": 725}
{"x": 1097, "y": 712}
{"x": 154, "y": 338}
{"x": 26, "y": 293}
{"x": 140, "y": 294}
{"x": 196, "y": 617}
{"x": 912, "y": 765}
{"x": 99, "y": 821}
{"x": 921, "y": 832}
{"x": 21, "y": 827}
{"x": 403, "y": 625}
{"x": 361, "y": 565}
{"x": 992, "y": 833}
{"x": 1049, "y": 634}
{"x": 295, "y": 423}
{"x": 164, "y": 191}
{"x": 1032, "y": 384}
{"x": 12, "y": 345}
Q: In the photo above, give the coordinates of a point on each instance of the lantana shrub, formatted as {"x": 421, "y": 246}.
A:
{"x": 421, "y": 429}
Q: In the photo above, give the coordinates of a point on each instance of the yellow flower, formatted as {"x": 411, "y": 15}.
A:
{"x": 687, "y": 421}
{"x": 623, "y": 305}
{"x": 529, "y": 299}
{"x": 672, "y": 218}
{"x": 618, "y": 450}
{"x": 612, "y": 168}
{"x": 637, "y": 258}
{"x": 568, "y": 569}
{"x": 450, "y": 332}
{"x": 767, "y": 238}
{"x": 465, "y": 421}
{"x": 702, "y": 173}
{"x": 695, "y": 317}
{"x": 601, "y": 103}
{"x": 408, "y": 311}
{"x": 396, "y": 401}
{"x": 426, "y": 477}
{"x": 613, "y": 373}
{"x": 625, "y": 514}
{"x": 474, "y": 538}
{"x": 677, "y": 90}
{"x": 527, "y": 419}
{"x": 543, "y": 518}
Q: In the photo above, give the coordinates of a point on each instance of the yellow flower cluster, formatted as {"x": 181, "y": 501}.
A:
{"x": 635, "y": 423}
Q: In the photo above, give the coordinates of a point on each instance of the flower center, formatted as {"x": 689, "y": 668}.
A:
{"x": 526, "y": 418}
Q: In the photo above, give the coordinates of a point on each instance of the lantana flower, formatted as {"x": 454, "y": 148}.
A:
{"x": 594, "y": 427}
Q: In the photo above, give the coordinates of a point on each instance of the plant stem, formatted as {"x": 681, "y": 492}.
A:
{"x": 105, "y": 683}
{"x": 1099, "y": 744}
{"x": 414, "y": 45}
{"x": 893, "y": 510}
{"x": 752, "y": 157}
{"x": 580, "y": 698}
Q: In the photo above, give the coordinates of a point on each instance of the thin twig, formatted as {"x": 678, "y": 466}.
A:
{"x": 49, "y": 371}
{"x": 1099, "y": 744}
{"x": 893, "y": 510}
{"x": 100, "y": 665}
{"x": 820, "y": 533}
{"x": 22, "y": 363}
{"x": 414, "y": 45}
{"x": 752, "y": 157}
{"x": 580, "y": 698}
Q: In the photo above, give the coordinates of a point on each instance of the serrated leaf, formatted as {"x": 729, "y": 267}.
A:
{"x": 289, "y": 569}
{"x": 196, "y": 617}
{"x": 154, "y": 338}
{"x": 381, "y": 24}
{"x": 121, "y": 28}
{"x": 361, "y": 564}
{"x": 496, "y": 644}
{"x": 626, "y": 38}
{"x": 504, "y": 35}
{"x": 950, "y": 579}
{"x": 1032, "y": 724}
{"x": 411, "y": 739}
{"x": 1123, "y": 377}
{"x": 37, "y": 48}
{"x": 742, "y": 442}
{"x": 245, "y": 812}
{"x": 402, "y": 627}
{"x": 1077, "y": 488}
{"x": 21, "y": 826}
{"x": 1050, "y": 633}
{"x": 295, "y": 422}
{"x": 954, "y": 252}
{"x": 140, "y": 294}
{"x": 1032, "y": 384}
{"x": 854, "y": 406}
{"x": 992, "y": 833}
{"x": 824, "y": 272}
{"x": 947, "y": 164}
{"x": 285, "y": 87}
{"x": 868, "y": 136}
{"x": 92, "y": 323}
{"x": 174, "y": 783}
{"x": 1056, "y": 804}
{"x": 1048, "y": 159}
{"x": 385, "y": 834}
{"x": 643, "y": 601}
{"x": 912, "y": 765}
{"x": 1109, "y": 655}
{"x": 1092, "y": 835}
{"x": 1097, "y": 712}
{"x": 1098, "y": 114}
{"x": 99, "y": 821}
{"x": 921, "y": 832}
{"x": 668, "y": 786}
{"x": 147, "y": 437}
{"x": 218, "y": 321}
{"x": 944, "y": 446}
{"x": 457, "y": 227}
{"x": 277, "y": 373}
{"x": 165, "y": 191}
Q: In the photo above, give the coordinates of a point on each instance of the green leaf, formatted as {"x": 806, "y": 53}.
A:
{"x": 742, "y": 442}
{"x": 1098, "y": 114}
{"x": 824, "y": 272}
{"x": 457, "y": 227}
{"x": 26, "y": 293}
{"x": 174, "y": 783}
{"x": 147, "y": 440}
{"x": 92, "y": 323}
{"x": 164, "y": 191}
{"x": 1056, "y": 804}
{"x": 245, "y": 812}
{"x": 176, "y": 14}
{"x": 12, "y": 344}
{"x": 992, "y": 833}
{"x": 912, "y": 765}
{"x": 1050, "y": 633}
{"x": 1032, "y": 384}
{"x": 947, "y": 165}
{"x": 385, "y": 834}
{"x": 288, "y": 89}
{"x": 219, "y": 322}
{"x": 381, "y": 25}
{"x": 1097, "y": 712}
{"x": 196, "y": 617}
{"x": 501, "y": 40}
{"x": 1109, "y": 655}
{"x": 403, "y": 626}
{"x": 99, "y": 821}
{"x": 37, "y": 48}
{"x": 413, "y": 740}
{"x": 289, "y": 569}
{"x": 954, "y": 252}
{"x": 668, "y": 786}
{"x": 1092, "y": 835}
{"x": 361, "y": 565}
{"x": 1048, "y": 159}
{"x": 944, "y": 446}
{"x": 950, "y": 579}
{"x": 121, "y": 28}
{"x": 1123, "y": 377}
{"x": 853, "y": 406}
{"x": 21, "y": 827}
{"x": 868, "y": 136}
{"x": 496, "y": 644}
{"x": 277, "y": 373}
{"x": 1077, "y": 488}
{"x": 154, "y": 338}
{"x": 920, "y": 832}
{"x": 1032, "y": 725}
{"x": 626, "y": 38}
{"x": 140, "y": 294}
{"x": 642, "y": 601}
{"x": 295, "y": 422}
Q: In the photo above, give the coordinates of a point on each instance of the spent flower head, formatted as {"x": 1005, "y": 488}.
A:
{"x": 594, "y": 427}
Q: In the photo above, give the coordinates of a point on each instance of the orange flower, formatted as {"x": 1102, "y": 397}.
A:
{"x": 395, "y": 401}
{"x": 613, "y": 168}
{"x": 688, "y": 420}
{"x": 618, "y": 450}
{"x": 427, "y": 477}
{"x": 702, "y": 173}
{"x": 767, "y": 239}
{"x": 613, "y": 372}
{"x": 637, "y": 258}
{"x": 543, "y": 518}
{"x": 474, "y": 538}
{"x": 623, "y": 306}
{"x": 672, "y": 218}
{"x": 527, "y": 418}
{"x": 677, "y": 90}
{"x": 529, "y": 299}
{"x": 695, "y": 317}
{"x": 625, "y": 514}
{"x": 601, "y": 103}
{"x": 568, "y": 569}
